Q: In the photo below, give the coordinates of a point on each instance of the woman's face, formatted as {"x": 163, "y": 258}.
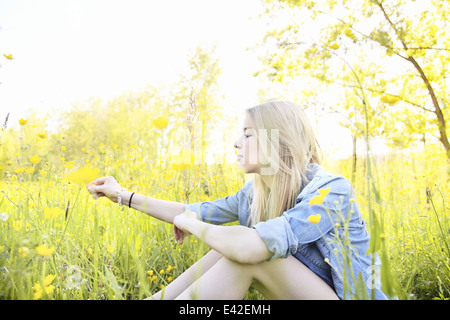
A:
{"x": 247, "y": 148}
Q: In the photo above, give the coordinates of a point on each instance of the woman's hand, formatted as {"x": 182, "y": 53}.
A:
{"x": 104, "y": 187}
{"x": 180, "y": 223}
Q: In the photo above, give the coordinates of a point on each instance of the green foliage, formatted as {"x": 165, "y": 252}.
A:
{"x": 395, "y": 48}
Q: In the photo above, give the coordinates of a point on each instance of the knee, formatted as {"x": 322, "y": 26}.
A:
{"x": 246, "y": 270}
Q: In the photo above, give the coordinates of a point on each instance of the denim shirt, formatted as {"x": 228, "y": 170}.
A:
{"x": 317, "y": 245}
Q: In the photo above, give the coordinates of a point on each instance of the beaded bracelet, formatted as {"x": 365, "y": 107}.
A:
{"x": 119, "y": 196}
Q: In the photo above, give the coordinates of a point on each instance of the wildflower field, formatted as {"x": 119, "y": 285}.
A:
{"x": 56, "y": 242}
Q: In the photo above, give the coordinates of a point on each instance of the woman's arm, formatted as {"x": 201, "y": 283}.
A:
{"x": 160, "y": 209}
{"x": 237, "y": 243}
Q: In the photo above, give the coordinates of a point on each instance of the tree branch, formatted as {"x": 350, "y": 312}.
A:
{"x": 438, "y": 111}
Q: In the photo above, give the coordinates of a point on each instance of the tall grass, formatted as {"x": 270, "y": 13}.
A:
{"x": 414, "y": 211}
{"x": 98, "y": 250}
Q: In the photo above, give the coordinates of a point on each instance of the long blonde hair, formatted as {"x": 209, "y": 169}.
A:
{"x": 297, "y": 147}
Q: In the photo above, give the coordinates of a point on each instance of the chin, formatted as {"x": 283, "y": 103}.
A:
{"x": 249, "y": 168}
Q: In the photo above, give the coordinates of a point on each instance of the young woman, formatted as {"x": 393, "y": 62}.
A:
{"x": 291, "y": 242}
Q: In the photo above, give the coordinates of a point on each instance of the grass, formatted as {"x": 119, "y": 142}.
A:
{"x": 101, "y": 251}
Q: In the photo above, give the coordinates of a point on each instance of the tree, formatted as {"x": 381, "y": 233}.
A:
{"x": 399, "y": 50}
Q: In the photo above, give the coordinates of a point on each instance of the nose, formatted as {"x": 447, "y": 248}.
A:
{"x": 237, "y": 143}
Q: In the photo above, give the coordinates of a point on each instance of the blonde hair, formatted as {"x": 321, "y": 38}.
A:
{"x": 297, "y": 147}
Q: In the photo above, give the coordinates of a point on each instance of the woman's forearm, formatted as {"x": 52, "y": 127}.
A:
{"x": 159, "y": 209}
{"x": 238, "y": 243}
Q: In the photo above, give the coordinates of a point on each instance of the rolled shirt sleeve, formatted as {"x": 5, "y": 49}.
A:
{"x": 224, "y": 210}
{"x": 283, "y": 235}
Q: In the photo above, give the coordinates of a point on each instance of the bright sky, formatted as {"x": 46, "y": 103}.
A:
{"x": 67, "y": 51}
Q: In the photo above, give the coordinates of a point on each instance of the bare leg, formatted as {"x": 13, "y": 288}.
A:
{"x": 279, "y": 279}
{"x": 188, "y": 277}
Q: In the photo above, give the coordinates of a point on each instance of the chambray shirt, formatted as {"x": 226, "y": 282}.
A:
{"x": 319, "y": 245}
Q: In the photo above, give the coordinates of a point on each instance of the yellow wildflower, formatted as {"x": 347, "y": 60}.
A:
{"x": 349, "y": 33}
{"x": 8, "y": 56}
{"x": 23, "y": 252}
{"x": 110, "y": 249}
{"x": 35, "y": 160}
{"x": 51, "y": 213}
{"x": 47, "y": 287}
{"x": 42, "y": 135}
{"x": 318, "y": 199}
{"x": 23, "y": 122}
{"x": 42, "y": 250}
{"x": 63, "y": 148}
{"x": 180, "y": 166}
{"x": 334, "y": 46}
{"x": 29, "y": 170}
{"x": 19, "y": 170}
{"x": 161, "y": 123}
{"x": 17, "y": 225}
{"x": 83, "y": 175}
{"x": 391, "y": 100}
{"x": 314, "y": 218}
{"x": 49, "y": 279}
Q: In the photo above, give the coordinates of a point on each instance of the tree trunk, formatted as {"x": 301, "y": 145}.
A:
{"x": 354, "y": 161}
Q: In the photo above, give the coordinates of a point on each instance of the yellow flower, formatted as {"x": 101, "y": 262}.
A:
{"x": 63, "y": 148}
{"x": 17, "y": 225}
{"x": 35, "y": 160}
{"x": 314, "y": 218}
{"x": 42, "y": 250}
{"x": 110, "y": 249}
{"x": 83, "y": 175}
{"x": 51, "y": 213}
{"x": 161, "y": 123}
{"x": 391, "y": 100}
{"x": 180, "y": 166}
{"x": 42, "y": 135}
{"x": 150, "y": 272}
{"x": 334, "y": 46}
{"x": 23, "y": 252}
{"x": 162, "y": 271}
{"x": 23, "y": 122}
{"x": 19, "y": 170}
{"x": 49, "y": 279}
{"x": 8, "y": 56}
{"x": 47, "y": 287}
{"x": 29, "y": 170}
{"x": 349, "y": 33}
{"x": 318, "y": 199}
